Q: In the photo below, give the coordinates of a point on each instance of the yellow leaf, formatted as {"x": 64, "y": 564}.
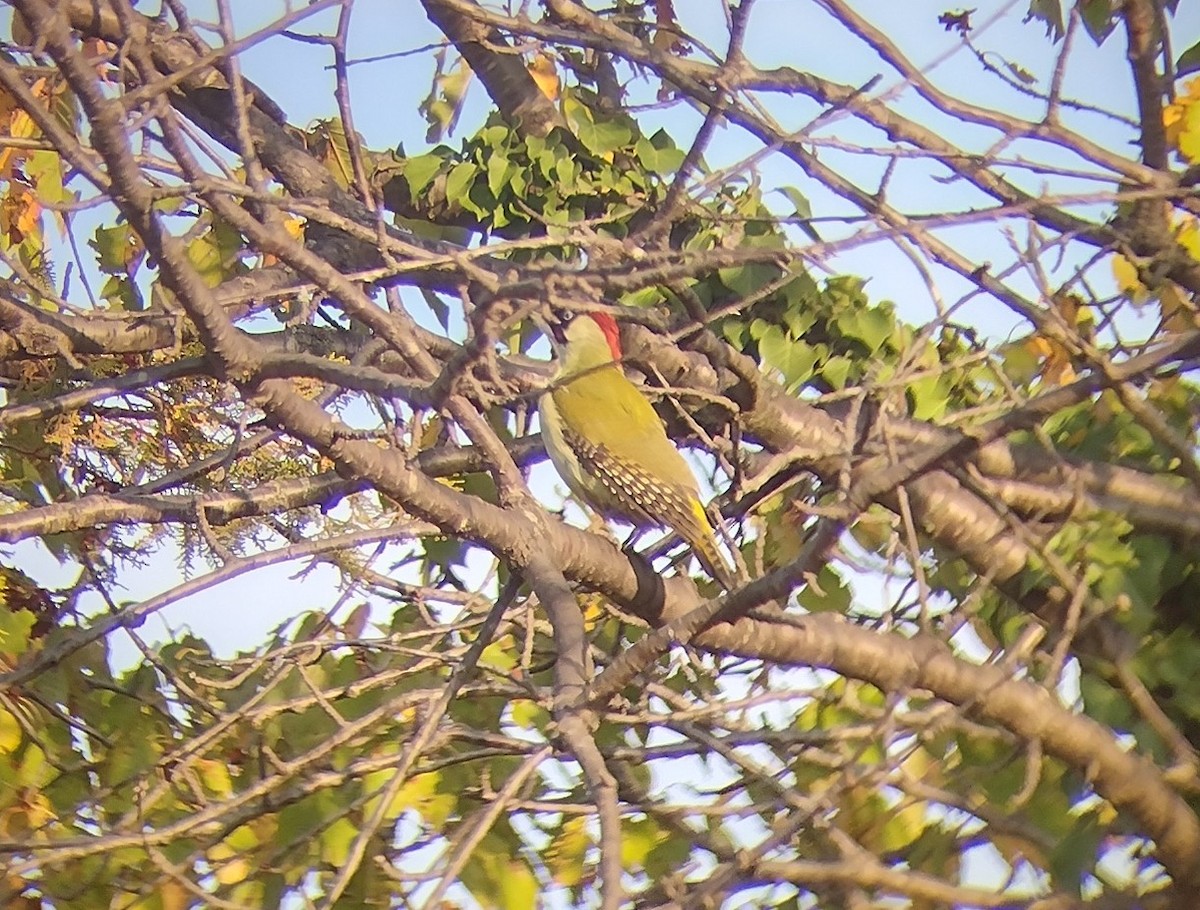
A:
{"x": 215, "y": 776}
{"x": 593, "y": 610}
{"x": 1178, "y": 313}
{"x": 528, "y": 715}
{"x": 21, "y": 126}
{"x": 1058, "y": 370}
{"x": 637, "y": 840}
{"x": 1189, "y": 134}
{"x": 233, "y": 871}
{"x": 1039, "y": 347}
{"x": 10, "y": 732}
{"x": 903, "y": 827}
{"x": 1173, "y": 122}
{"x": 294, "y": 227}
{"x": 567, "y": 854}
{"x": 174, "y": 896}
{"x": 500, "y": 654}
{"x": 337, "y": 841}
{"x": 518, "y": 887}
{"x": 1126, "y": 275}
{"x": 428, "y": 434}
{"x": 545, "y": 75}
{"x": 420, "y": 794}
{"x": 27, "y": 818}
{"x": 1187, "y": 235}
{"x": 229, "y": 856}
{"x": 1175, "y": 115}
{"x": 35, "y": 771}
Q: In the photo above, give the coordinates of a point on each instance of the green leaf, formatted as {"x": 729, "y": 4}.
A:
{"x": 803, "y": 210}
{"x": 214, "y": 253}
{"x": 479, "y": 200}
{"x": 1075, "y": 853}
{"x": 744, "y": 280}
{"x": 794, "y": 359}
{"x": 904, "y": 826}
{"x": 534, "y": 146}
{"x": 668, "y": 855}
{"x": 33, "y": 770}
{"x": 1021, "y": 363}
{"x": 444, "y": 104}
{"x": 577, "y": 113}
{"x": 798, "y": 318}
{"x": 327, "y": 140}
{"x": 870, "y": 326}
{"x": 45, "y": 169}
{"x": 1104, "y": 703}
{"x": 499, "y": 655}
{"x": 15, "y": 626}
{"x": 604, "y": 137}
{"x": 567, "y": 172}
{"x": 929, "y": 397}
{"x": 115, "y": 248}
{"x": 124, "y": 294}
{"x": 376, "y": 782}
{"x": 644, "y": 297}
{"x": 419, "y": 171}
{"x": 1144, "y": 577}
{"x": 1098, "y": 18}
{"x": 459, "y": 180}
{"x": 836, "y": 370}
{"x": 1050, "y": 12}
{"x": 834, "y": 596}
{"x": 659, "y": 154}
{"x": 735, "y": 333}
{"x": 250, "y": 893}
{"x": 498, "y": 170}
{"x": 1189, "y": 61}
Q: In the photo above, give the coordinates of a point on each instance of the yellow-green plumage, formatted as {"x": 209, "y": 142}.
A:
{"x": 612, "y": 450}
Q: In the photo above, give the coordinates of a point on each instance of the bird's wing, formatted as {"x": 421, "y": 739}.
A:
{"x": 619, "y": 418}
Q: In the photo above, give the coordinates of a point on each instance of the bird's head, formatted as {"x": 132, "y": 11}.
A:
{"x": 591, "y": 337}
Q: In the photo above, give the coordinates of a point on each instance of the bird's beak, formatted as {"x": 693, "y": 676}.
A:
{"x": 554, "y": 328}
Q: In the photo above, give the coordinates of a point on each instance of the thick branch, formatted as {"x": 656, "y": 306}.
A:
{"x": 499, "y": 68}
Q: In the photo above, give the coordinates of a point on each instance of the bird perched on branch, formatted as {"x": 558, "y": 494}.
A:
{"x": 611, "y": 448}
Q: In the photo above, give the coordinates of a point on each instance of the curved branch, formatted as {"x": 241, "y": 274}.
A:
{"x": 894, "y": 664}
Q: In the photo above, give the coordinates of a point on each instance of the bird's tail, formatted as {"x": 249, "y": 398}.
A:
{"x": 703, "y": 540}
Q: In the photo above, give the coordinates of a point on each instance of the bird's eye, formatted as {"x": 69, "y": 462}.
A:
{"x": 557, "y": 320}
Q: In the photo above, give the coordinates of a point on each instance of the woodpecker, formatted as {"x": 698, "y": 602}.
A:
{"x": 608, "y": 444}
